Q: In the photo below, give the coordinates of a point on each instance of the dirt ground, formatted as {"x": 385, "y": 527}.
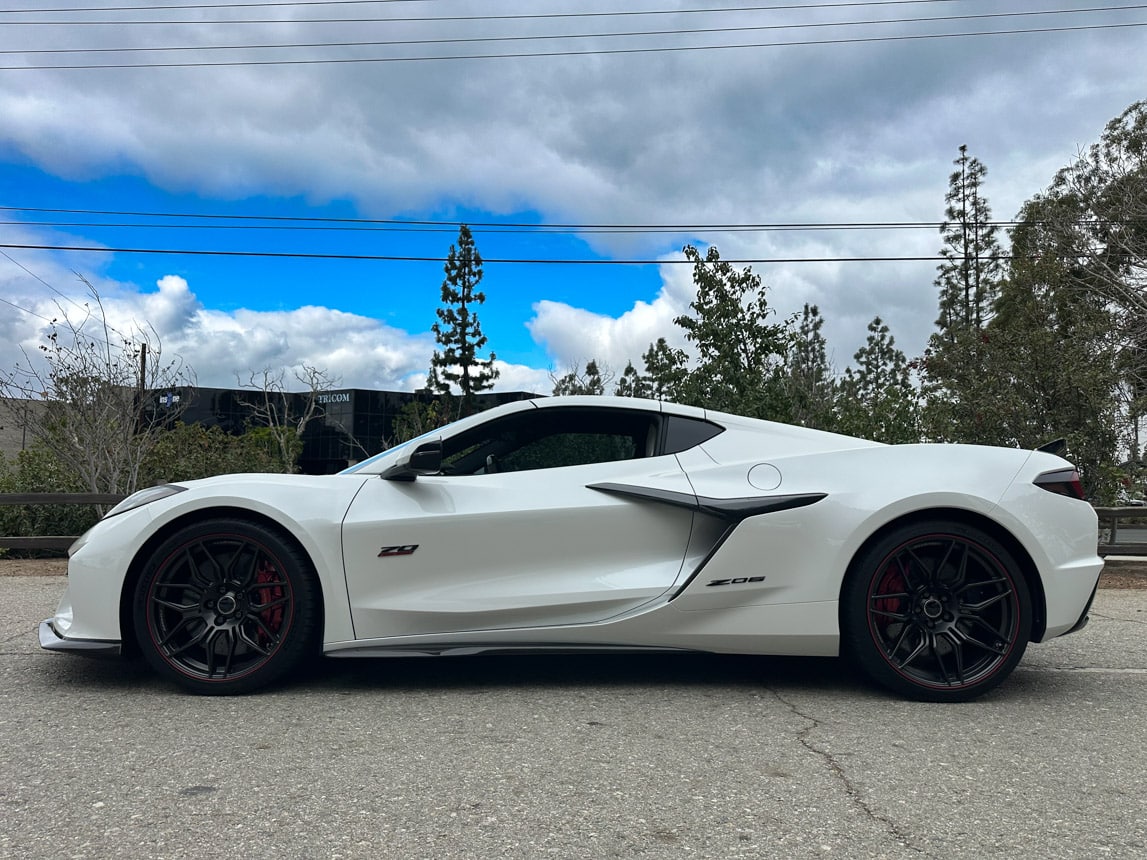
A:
{"x": 1117, "y": 574}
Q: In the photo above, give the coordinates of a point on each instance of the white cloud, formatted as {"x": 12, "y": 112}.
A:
{"x": 222, "y": 347}
{"x": 572, "y": 336}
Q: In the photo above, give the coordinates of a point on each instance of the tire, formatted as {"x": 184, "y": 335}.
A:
{"x": 937, "y": 611}
{"x": 226, "y": 607}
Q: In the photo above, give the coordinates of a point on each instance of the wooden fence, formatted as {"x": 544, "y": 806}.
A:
{"x": 1111, "y": 521}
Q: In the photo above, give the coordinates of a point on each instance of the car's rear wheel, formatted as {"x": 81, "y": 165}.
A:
{"x": 226, "y": 606}
{"x": 937, "y": 611}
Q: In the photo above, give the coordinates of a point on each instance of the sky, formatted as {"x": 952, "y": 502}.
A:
{"x": 323, "y": 182}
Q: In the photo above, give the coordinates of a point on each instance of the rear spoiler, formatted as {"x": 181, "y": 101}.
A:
{"x": 1057, "y": 447}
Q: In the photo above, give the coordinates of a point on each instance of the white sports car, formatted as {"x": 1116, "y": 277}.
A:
{"x": 599, "y": 523}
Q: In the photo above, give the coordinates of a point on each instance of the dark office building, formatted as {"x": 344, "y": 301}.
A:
{"x": 350, "y": 424}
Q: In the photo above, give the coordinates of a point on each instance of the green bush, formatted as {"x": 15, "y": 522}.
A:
{"x": 36, "y": 470}
{"x": 190, "y": 451}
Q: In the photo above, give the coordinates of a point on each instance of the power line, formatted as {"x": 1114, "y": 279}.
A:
{"x": 440, "y": 225}
{"x": 586, "y": 53}
{"x": 541, "y": 229}
{"x": 24, "y": 310}
{"x": 574, "y": 36}
{"x": 62, "y": 295}
{"x": 684, "y": 226}
{"x": 442, "y": 18}
{"x": 295, "y": 255}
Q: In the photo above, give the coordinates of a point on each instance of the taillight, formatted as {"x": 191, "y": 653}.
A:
{"x": 1065, "y": 482}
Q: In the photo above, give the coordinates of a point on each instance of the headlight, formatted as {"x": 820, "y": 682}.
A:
{"x": 145, "y": 497}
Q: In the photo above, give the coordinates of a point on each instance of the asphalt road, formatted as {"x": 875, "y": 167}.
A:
{"x": 529, "y": 757}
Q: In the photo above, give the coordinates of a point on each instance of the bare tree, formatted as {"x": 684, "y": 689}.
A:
{"x": 286, "y": 414}
{"x": 104, "y": 395}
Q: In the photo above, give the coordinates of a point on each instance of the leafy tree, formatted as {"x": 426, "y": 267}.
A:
{"x": 740, "y": 357}
{"x": 97, "y": 387}
{"x": 1055, "y": 362}
{"x": 877, "y": 399}
{"x": 957, "y": 376}
{"x": 1097, "y": 205}
{"x": 458, "y": 330}
{"x": 810, "y": 376}
{"x": 592, "y": 381}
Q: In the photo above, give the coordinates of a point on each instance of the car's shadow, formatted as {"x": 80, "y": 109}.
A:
{"x": 480, "y": 673}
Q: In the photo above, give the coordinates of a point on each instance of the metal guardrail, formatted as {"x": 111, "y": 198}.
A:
{"x": 1109, "y": 522}
{"x": 56, "y": 542}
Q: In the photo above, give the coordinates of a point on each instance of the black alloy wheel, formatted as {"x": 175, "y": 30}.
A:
{"x": 937, "y": 611}
{"x": 226, "y": 606}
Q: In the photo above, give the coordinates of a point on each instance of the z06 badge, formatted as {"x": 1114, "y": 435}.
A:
{"x": 388, "y": 551}
{"x": 735, "y": 581}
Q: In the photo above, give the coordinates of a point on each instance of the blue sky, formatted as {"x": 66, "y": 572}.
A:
{"x": 403, "y": 294}
{"x": 838, "y": 132}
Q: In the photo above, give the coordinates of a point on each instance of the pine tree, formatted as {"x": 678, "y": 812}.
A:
{"x": 632, "y": 383}
{"x": 970, "y": 275}
{"x": 877, "y": 400}
{"x": 458, "y": 330}
{"x": 665, "y": 370}
{"x": 958, "y": 379}
{"x": 811, "y": 389}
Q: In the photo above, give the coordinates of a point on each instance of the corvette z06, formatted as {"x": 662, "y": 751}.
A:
{"x": 599, "y": 524}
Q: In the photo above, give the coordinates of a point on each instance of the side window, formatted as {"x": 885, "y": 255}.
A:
{"x": 550, "y": 438}
{"x": 683, "y": 433}
{"x": 569, "y": 449}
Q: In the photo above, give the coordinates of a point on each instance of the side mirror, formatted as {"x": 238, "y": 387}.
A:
{"x": 426, "y": 459}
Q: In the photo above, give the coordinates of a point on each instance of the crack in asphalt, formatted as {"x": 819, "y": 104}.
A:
{"x": 850, "y": 789}
{"x": 1114, "y": 618}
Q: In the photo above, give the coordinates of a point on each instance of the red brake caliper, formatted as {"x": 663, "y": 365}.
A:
{"x": 891, "y": 583}
{"x": 272, "y": 617}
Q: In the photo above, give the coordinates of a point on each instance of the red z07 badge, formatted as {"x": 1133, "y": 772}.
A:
{"x": 388, "y": 551}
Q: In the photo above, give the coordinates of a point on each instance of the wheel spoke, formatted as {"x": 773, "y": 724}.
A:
{"x": 947, "y": 555}
{"x": 916, "y": 652}
{"x": 271, "y": 604}
{"x": 272, "y": 636}
{"x": 178, "y": 628}
{"x": 250, "y": 642}
{"x": 248, "y": 577}
{"x": 957, "y": 656}
{"x": 939, "y": 658}
{"x": 928, "y": 570}
{"x": 979, "y": 643}
{"x": 904, "y": 631}
{"x": 977, "y": 608}
{"x": 197, "y": 639}
{"x": 182, "y": 608}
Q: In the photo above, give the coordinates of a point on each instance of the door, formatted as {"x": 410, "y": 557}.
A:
{"x": 510, "y": 535}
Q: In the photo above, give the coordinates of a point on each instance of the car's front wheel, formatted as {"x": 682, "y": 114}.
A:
{"x": 937, "y": 611}
{"x": 226, "y": 606}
